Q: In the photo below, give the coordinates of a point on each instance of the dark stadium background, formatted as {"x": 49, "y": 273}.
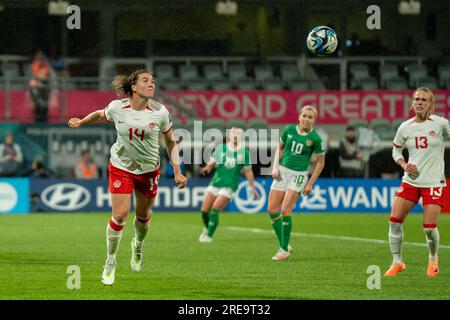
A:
{"x": 197, "y": 53}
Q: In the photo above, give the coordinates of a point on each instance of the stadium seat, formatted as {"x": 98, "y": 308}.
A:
{"x": 416, "y": 72}
{"x": 289, "y": 72}
{"x": 197, "y": 85}
{"x": 189, "y": 125}
{"x": 387, "y": 72}
{"x": 317, "y": 85}
{"x": 357, "y": 123}
{"x": 369, "y": 83}
{"x": 272, "y": 85}
{"x": 298, "y": 85}
{"x": 26, "y": 68}
{"x": 246, "y": 84}
{"x": 380, "y": 124}
{"x": 263, "y": 73}
{"x": 221, "y": 85}
{"x": 165, "y": 71}
{"x": 257, "y": 124}
{"x": 386, "y": 135}
{"x": 172, "y": 85}
{"x": 213, "y": 72}
{"x": 10, "y": 70}
{"x": 177, "y": 124}
{"x": 236, "y": 123}
{"x": 396, "y": 124}
{"x": 214, "y": 124}
{"x": 359, "y": 71}
{"x": 444, "y": 74}
{"x": 188, "y": 72}
{"x": 237, "y": 72}
{"x": 398, "y": 83}
{"x": 429, "y": 82}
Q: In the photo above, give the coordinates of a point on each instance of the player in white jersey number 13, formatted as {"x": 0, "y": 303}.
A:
{"x": 134, "y": 162}
{"x": 424, "y": 177}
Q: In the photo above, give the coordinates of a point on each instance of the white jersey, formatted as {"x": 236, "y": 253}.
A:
{"x": 137, "y": 146}
{"x": 425, "y": 144}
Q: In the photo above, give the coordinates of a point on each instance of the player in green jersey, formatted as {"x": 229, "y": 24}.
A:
{"x": 290, "y": 172}
{"x": 229, "y": 160}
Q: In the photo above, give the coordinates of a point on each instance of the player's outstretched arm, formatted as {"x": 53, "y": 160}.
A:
{"x": 91, "y": 117}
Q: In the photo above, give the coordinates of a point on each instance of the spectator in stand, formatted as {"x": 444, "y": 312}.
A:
{"x": 10, "y": 156}
{"x": 86, "y": 168}
{"x": 38, "y": 169}
{"x": 351, "y": 159}
{"x": 39, "y": 86}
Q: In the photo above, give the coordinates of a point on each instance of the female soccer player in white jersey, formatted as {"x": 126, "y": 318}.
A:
{"x": 134, "y": 161}
{"x": 290, "y": 172}
{"x": 424, "y": 177}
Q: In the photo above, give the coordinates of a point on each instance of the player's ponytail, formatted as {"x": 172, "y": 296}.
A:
{"x": 122, "y": 86}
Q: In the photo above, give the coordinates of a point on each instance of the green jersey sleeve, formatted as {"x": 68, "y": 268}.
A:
{"x": 248, "y": 160}
{"x": 319, "y": 147}
{"x": 284, "y": 134}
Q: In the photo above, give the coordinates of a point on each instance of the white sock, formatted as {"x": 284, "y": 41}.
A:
{"x": 140, "y": 231}
{"x": 396, "y": 241}
{"x": 432, "y": 238}
{"x": 113, "y": 235}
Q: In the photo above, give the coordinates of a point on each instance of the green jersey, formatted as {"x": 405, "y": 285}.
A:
{"x": 229, "y": 164}
{"x": 299, "y": 147}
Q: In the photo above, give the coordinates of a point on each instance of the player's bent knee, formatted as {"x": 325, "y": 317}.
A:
{"x": 120, "y": 218}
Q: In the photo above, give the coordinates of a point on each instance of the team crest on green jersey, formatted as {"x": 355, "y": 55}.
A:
{"x": 309, "y": 142}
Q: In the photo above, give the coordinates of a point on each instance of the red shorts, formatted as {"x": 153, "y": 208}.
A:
{"x": 124, "y": 182}
{"x": 432, "y": 195}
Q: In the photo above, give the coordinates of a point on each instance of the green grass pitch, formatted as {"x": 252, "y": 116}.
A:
{"x": 330, "y": 260}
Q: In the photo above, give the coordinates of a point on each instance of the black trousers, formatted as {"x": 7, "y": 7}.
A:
{"x": 40, "y": 100}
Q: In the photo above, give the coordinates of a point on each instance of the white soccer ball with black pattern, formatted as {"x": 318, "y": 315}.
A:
{"x": 322, "y": 41}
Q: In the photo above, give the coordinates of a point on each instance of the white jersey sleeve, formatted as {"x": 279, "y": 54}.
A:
{"x": 425, "y": 144}
{"x": 110, "y": 109}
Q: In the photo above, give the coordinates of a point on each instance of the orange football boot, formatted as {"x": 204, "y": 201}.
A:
{"x": 394, "y": 269}
{"x": 433, "y": 268}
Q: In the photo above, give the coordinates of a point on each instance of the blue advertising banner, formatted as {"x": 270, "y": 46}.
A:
{"x": 71, "y": 195}
{"x": 329, "y": 195}
{"x": 14, "y": 195}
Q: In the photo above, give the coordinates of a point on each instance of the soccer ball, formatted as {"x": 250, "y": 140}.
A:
{"x": 322, "y": 41}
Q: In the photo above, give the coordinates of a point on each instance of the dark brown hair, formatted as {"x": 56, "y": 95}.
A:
{"x": 122, "y": 84}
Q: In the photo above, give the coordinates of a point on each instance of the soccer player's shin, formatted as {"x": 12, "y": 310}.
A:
{"x": 205, "y": 217}
{"x": 432, "y": 238}
{"x": 396, "y": 239}
{"x": 213, "y": 221}
{"x": 277, "y": 226}
{"x": 140, "y": 229}
{"x": 287, "y": 228}
{"x": 114, "y": 231}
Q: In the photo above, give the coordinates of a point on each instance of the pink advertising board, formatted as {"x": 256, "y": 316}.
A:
{"x": 334, "y": 107}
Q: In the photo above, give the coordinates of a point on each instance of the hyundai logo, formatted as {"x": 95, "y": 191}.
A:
{"x": 65, "y": 196}
{"x": 246, "y": 202}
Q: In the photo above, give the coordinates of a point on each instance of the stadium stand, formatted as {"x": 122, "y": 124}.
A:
{"x": 357, "y": 123}
{"x": 387, "y": 72}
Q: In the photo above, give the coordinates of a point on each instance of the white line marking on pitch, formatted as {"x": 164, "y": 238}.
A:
{"x": 327, "y": 236}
